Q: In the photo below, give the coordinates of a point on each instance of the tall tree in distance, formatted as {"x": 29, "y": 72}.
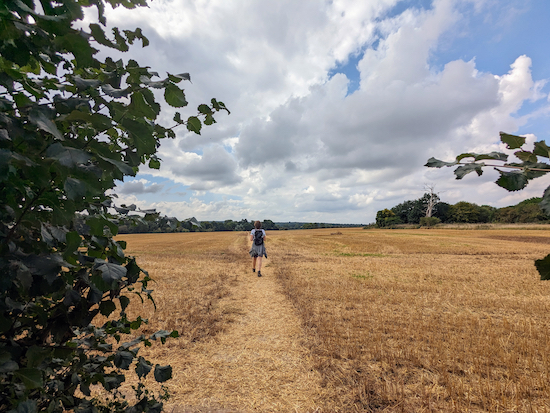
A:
{"x": 70, "y": 125}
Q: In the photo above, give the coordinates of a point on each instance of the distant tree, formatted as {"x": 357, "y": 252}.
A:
{"x": 70, "y": 125}
{"x": 441, "y": 211}
{"x": 268, "y": 224}
{"x": 244, "y": 225}
{"x": 465, "y": 212}
{"x": 514, "y": 176}
{"x": 310, "y": 225}
{"x": 387, "y": 218}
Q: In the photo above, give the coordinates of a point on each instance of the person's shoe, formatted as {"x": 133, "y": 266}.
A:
{"x": 253, "y": 269}
{"x": 259, "y": 274}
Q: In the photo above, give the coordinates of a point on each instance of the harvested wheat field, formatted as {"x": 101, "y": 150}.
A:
{"x": 441, "y": 320}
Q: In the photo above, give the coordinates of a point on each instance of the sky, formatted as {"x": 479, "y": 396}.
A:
{"x": 337, "y": 105}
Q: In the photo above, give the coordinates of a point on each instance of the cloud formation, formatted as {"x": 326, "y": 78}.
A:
{"x": 301, "y": 143}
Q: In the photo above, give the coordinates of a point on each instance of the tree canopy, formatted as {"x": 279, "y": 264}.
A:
{"x": 72, "y": 124}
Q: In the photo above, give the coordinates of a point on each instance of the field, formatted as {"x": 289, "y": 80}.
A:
{"x": 352, "y": 320}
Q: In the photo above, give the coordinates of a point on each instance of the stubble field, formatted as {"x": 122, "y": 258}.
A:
{"x": 352, "y": 320}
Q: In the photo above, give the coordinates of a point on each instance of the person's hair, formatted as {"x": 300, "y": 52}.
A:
{"x": 257, "y": 224}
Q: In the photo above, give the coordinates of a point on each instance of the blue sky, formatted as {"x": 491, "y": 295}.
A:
{"x": 336, "y": 106}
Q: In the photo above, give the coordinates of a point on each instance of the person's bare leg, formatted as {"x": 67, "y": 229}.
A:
{"x": 253, "y": 264}
{"x": 259, "y": 263}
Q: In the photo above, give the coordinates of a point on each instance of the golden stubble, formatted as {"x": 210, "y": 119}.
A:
{"x": 424, "y": 320}
{"x": 390, "y": 320}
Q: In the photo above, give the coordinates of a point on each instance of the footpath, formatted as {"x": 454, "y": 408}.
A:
{"x": 259, "y": 364}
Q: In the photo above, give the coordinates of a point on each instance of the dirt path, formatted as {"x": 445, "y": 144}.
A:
{"x": 258, "y": 364}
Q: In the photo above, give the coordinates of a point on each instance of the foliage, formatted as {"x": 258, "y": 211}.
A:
{"x": 410, "y": 212}
{"x": 429, "y": 221}
{"x": 514, "y": 176}
{"x": 387, "y": 219}
{"x": 70, "y": 125}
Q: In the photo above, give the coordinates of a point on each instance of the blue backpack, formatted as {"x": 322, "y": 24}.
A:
{"x": 258, "y": 237}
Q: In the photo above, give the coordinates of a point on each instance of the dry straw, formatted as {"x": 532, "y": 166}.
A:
{"x": 354, "y": 320}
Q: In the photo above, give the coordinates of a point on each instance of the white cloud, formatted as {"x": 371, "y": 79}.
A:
{"x": 297, "y": 146}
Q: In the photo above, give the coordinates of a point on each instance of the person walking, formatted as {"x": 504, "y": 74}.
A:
{"x": 257, "y": 250}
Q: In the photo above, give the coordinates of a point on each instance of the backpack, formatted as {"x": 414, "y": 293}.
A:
{"x": 258, "y": 237}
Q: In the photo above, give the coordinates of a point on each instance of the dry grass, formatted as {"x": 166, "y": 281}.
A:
{"x": 389, "y": 320}
{"x": 424, "y": 320}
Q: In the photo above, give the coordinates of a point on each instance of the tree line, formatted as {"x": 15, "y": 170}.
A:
{"x": 150, "y": 221}
{"x": 414, "y": 212}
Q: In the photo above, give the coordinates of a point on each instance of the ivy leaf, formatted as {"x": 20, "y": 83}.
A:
{"x": 543, "y": 267}
{"x": 512, "y": 141}
{"x": 174, "y": 96}
{"x": 163, "y": 373}
{"x": 512, "y": 181}
{"x": 464, "y": 170}
{"x": 42, "y": 117}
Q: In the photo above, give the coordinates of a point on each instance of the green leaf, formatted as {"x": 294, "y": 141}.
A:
{"x": 526, "y": 156}
{"x": 436, "y": 163}
{"x": 106, "y": 308}
{"x": 204, "y": 109}
{"x": 124, "y": 302}
{"x": 143, "y": 367}
{"x": 67, "y": 156}
{"x": 42, "y": 117}
{"x": 27, "y": 406}
{"x": 511, "y": 181}
{"x": 512, "y": 141}
{"x": 543, "y": 267}
{"x": 163, "y": 373}
{"x": 464, "y": 170}
{"x": 179, "y": 78}
{"x": 73, "y": 240}
{"x": 154, "y": 164}
{"x": 36, "y": 355}
{"x": 194, "y": 125}
{"x": 31, "y": 378}
{"x": 113, "y": 382}
{"x": 541, "y": 149}
{"x": 111, "y": 272}
{"x": 74, "y": 188}
{"x": 174, "y": 96}
{"x": 115, "y": 93}
{"x": 123, "y": 359}
{"x": 141, "y": 107}
{"x": 545, "y": 202}
{"x": 497, "y": 156}
{"x": 121, "y": 166}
